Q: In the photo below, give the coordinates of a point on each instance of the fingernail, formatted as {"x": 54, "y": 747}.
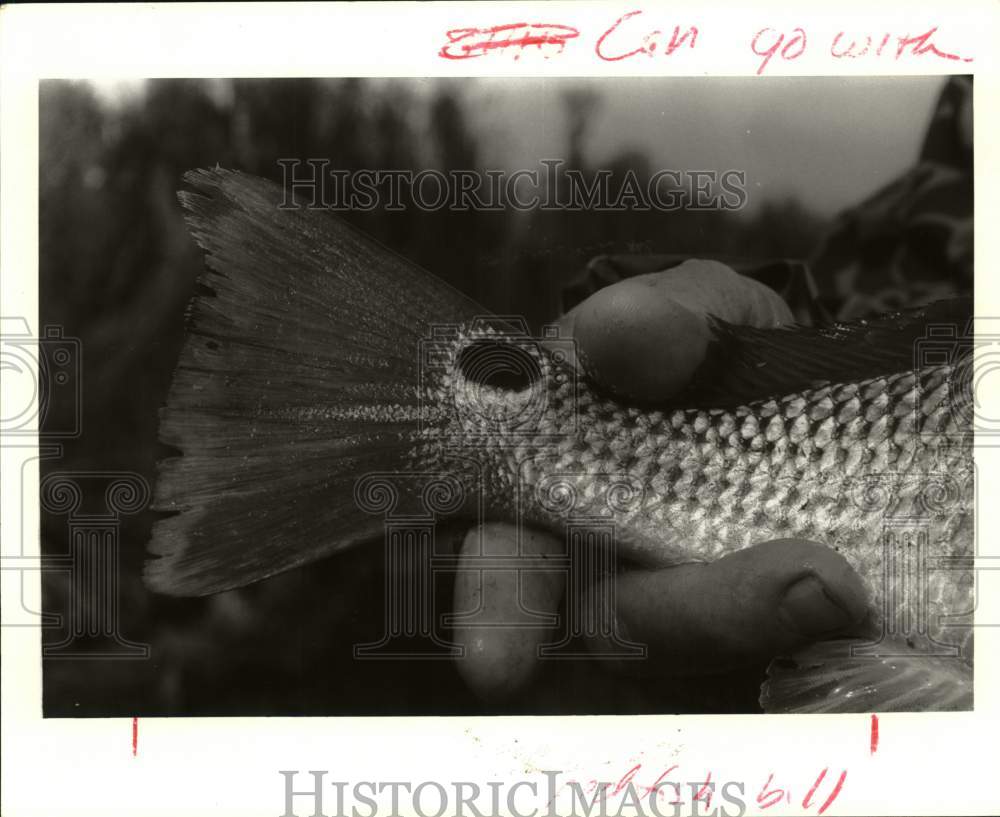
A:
{"x": 810, "y": 609}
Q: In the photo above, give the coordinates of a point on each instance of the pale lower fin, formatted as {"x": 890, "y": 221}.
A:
{"x": 827, "y": 678}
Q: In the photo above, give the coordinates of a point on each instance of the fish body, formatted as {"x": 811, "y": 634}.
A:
{"x": 858, "y": 466}
{"x": 321, "y": 368}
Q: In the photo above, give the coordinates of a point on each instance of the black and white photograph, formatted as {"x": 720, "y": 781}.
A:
{"x": 499, "y": 409}
{"x": 404, "y": 397}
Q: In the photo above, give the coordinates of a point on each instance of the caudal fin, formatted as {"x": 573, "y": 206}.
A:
{"x": 298, "y": 375}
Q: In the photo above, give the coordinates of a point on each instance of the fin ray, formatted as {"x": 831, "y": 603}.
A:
{"x": 827, "y": 678}
{"x": 746, "y": 363}
{"x": 298, "y": 375}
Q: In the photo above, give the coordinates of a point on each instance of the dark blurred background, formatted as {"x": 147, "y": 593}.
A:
{"x": 867, "y": 181}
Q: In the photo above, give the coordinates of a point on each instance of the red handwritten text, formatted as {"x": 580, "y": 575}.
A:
{"x": 466, "y": 43}
{"x": 768, "y": 797}
{"x": 629, "y": 36}
{"x": 907, "y": 45}
{"x": 771, "y": 796}
{"x": 790, "y": 49}
{"x": 613, "y": 44}
{"x": 704, "y": 790}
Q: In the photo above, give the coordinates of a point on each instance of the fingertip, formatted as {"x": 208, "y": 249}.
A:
{"x": 637, "y": 343}
{"x": 795, "y": 565}
{"x": 751, "y": 605}
{"x": 498, "y": 635}
{"x": 645, "y": 336}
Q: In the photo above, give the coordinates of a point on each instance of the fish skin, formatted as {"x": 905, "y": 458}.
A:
{"x": 851, "y": 465}
{"x": 302, "y": 376}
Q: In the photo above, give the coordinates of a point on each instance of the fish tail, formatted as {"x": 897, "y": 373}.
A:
{"x": 299, "y": 374}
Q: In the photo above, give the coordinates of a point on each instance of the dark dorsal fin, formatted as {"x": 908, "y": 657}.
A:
{"x": 746, "y": 364}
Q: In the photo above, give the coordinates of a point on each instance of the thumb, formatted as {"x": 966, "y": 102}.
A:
{"x": 644, "y": 337}
{"x": 747, "y": 607}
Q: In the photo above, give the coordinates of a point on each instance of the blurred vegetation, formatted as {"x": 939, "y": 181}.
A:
{"x": 117, "y": 268}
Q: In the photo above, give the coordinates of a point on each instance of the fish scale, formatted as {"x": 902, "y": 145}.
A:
{"x": 325, "y": 381}
{"x": 841, "y": 464}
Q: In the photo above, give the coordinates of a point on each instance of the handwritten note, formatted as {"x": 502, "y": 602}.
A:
{"x": 635, "y": 36}
{"x": 674, "y": 787}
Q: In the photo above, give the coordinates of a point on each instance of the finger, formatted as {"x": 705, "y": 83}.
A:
{"x": 644, "y": 337}
{"x": 503, "y": 612}
{"x": 748, "y": 606}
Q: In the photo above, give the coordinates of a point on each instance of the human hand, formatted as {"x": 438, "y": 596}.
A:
{"x": 643, "y": 338}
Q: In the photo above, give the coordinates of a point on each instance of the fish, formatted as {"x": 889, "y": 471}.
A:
{"x": 324, "y": 379}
